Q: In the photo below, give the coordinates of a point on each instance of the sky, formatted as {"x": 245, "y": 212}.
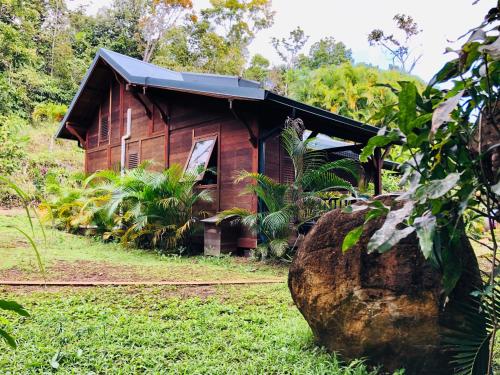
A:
{"x": 442, "y": 22}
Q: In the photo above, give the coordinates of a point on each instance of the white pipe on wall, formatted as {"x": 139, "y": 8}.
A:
{"x": 124, "y": 139}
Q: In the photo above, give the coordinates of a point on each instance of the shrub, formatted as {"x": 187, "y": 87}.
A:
{"x": 156, "y": 209}
{"x": 50, "y": 112}
{"x": 142, "y": 207}
{"x": 287, "y": 207}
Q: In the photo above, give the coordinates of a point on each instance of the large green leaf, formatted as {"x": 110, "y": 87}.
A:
{"x": 407, "y": 106}
{"x": 389, "y": 235}
{"x": 442, "y": 113}
{"x": 426, "y": 227}
{"x": 438, "y": 188}
{"x": 374, "y": 142}
{"x": 449, "y": 70}
{"x": 492, "y": 49}
{"x": 352, "y": 238}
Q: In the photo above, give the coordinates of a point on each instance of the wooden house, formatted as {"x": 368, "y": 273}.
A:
{"x": 127, "y": 111}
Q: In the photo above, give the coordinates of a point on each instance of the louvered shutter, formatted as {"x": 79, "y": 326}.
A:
{"x": 104, "y": 130}
{"x": 133, "y": 160}
{"x": 287, "y": 170}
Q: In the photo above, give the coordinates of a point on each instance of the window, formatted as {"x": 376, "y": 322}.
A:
{"x": 202, "y": 160}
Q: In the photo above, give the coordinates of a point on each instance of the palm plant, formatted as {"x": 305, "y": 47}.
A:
{"x": 286, "y": 207}
{"x": 77, "y": 203}
{"x": 469, "y": 341}
{"x": 148, "y": 207}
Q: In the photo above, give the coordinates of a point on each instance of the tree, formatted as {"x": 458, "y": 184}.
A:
{"x": 258, "y": 69}
{"x": 196, "y": 46}
{"x": 217, "y": 41}
{"x": 241, "y": 19}
{"x": 158, "y": 18}
{"x": 355, "y": 91}
{"x": 20, "y": 26}
{"x": 327, "y": 51}
{"x": 288, "y": 48}
{"x": 450, "y": 130}
{"x": 398, "y": 47}
{"x": 118, "y": 28}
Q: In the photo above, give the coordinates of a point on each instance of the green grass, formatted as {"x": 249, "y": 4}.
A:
{"x": 72, "y": 257}
{"x": 225, "y": 330}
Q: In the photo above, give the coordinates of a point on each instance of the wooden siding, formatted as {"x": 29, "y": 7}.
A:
{"x": 152, "y": 139}
{"x": 278, "y": 164}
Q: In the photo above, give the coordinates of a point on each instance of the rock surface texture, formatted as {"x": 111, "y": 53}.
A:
{"x": 387, "y": 308}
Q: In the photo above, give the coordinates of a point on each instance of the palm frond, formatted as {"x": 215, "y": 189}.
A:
{"x": 276, "y": 223}
{"x": 279, "y": 246}
{"x": 471, "y": 339}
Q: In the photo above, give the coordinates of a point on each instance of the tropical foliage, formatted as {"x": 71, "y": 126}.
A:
{"x": 453, "y": 140}
{"x": 358, "y": 91}
{"x": 48, "y": 45}
{"x": 75, "y": 203}
{"x": 141, "y": 207}
{"x": 285, "y": 207}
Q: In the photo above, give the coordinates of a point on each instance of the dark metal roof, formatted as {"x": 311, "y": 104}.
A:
{"x": 138, "y": 72}
{"x": 142, "y": 73}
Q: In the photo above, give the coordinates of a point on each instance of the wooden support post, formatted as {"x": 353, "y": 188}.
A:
{"x": 377, "y": 176}
{"x": 134, "y": 90}
{"x": 165, "y": 115}
{"x": 77, "y": 132}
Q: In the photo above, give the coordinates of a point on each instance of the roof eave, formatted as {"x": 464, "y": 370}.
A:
{"x": 367, "y": 131}
{"x": 100, "y": 55}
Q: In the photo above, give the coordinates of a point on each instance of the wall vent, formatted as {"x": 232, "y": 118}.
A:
{"x": 133, "y": 160}
{"x": 104, "y": 129}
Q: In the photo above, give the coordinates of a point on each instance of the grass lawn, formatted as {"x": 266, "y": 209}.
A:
{"x": 244, "y": 329}
{"x": 188, "y": 330}
{"x": 72, "y": 257}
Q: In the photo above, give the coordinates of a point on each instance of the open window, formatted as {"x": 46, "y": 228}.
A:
{"x": 202, "y": 160}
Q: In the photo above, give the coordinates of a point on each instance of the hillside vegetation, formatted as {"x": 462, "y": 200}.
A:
{"x": 46, "y": 49}
{"x": 30, "y": 153}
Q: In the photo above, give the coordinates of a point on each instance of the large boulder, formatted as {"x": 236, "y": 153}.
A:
{"x": 388, "y": 308}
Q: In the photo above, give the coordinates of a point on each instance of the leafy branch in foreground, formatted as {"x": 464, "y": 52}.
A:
{"x": 453, "y": 139}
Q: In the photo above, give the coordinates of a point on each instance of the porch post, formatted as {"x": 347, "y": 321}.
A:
{"x": 377, "y": 176}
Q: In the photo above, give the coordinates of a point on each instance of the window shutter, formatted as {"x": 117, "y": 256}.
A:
{"x": 133, "y": 160}
{"x": 104, "y": 129}
{"x": 287, "y": 170}
{"x": 272, "y": 163}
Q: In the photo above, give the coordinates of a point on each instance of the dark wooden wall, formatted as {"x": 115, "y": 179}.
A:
{"x": 278, "y": 164}
{"x": 168, "y": 142}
